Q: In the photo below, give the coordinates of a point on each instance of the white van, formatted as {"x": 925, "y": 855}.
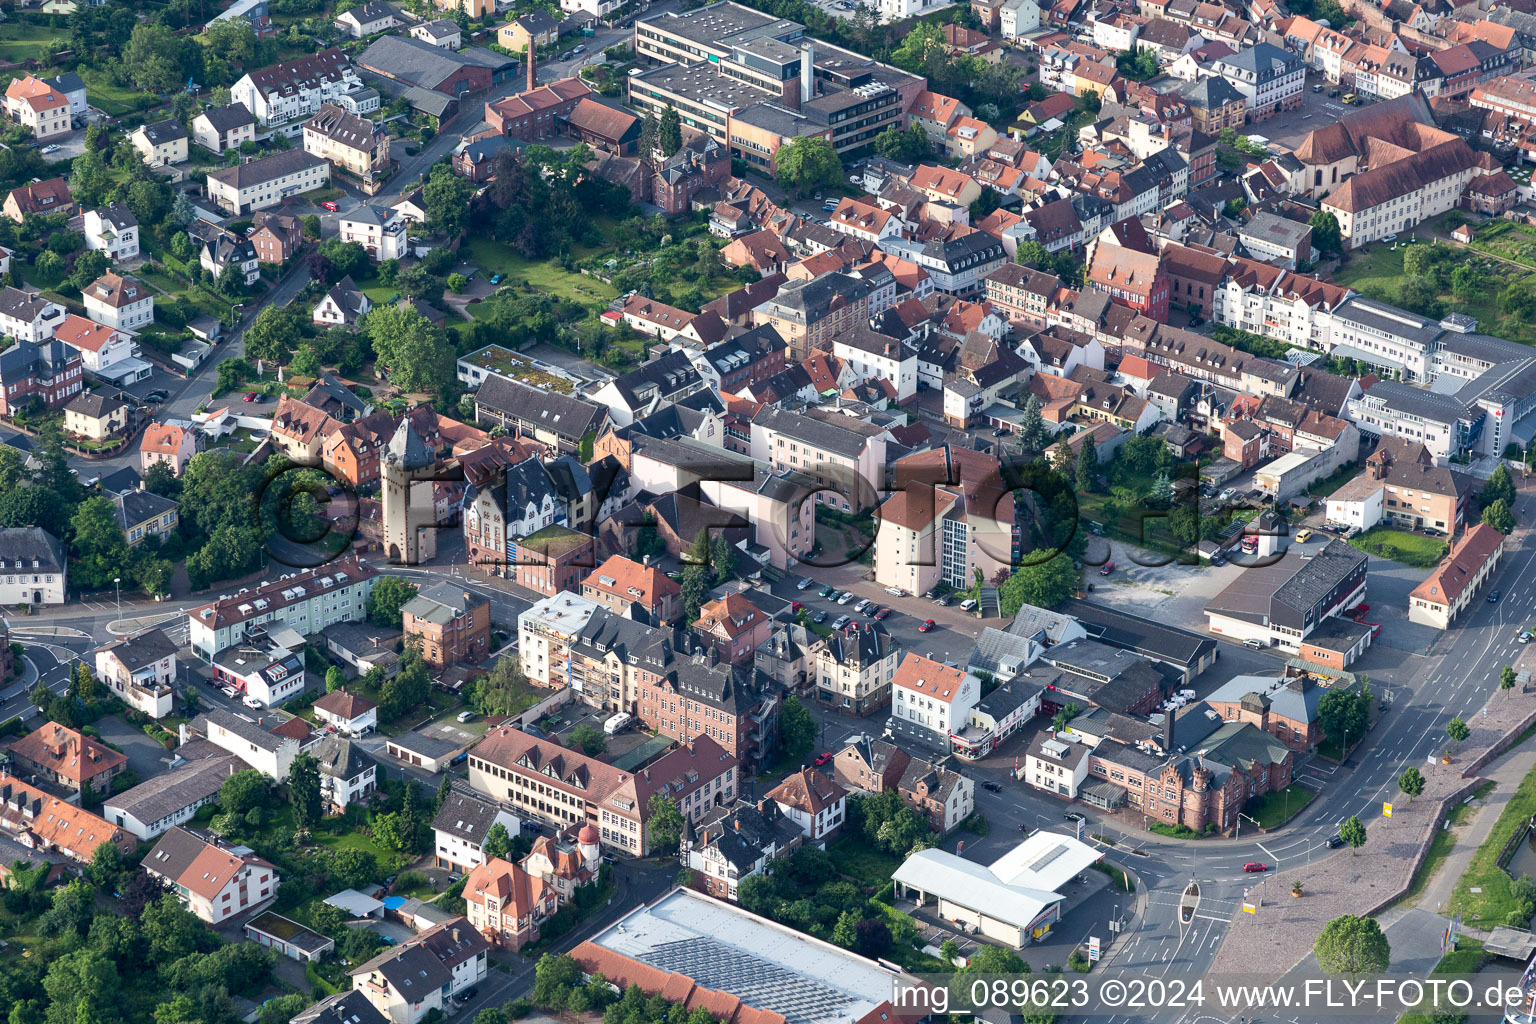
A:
{"x": 968, "y": 605}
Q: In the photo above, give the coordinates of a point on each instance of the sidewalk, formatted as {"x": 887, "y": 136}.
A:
{"x": 1507, "y": 772}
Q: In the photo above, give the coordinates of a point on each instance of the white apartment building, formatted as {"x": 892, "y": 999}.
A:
{"x": 899, "y": 10}
{"x": 119, "y": 302}
{"x": 114, "y": 230}
{"x": 305, "y": 602}
{"x": 214, "y": 881}
{"x": 1285, "y": 306}
{"x": 378, "y": 229}
{"x": 1395, "y": 197}
{"x": 264, "y": 751}
{"x": 930, "y": 700}
{"x": 296, "y": 88}
{"x": 25, "y": 316}
{"x": 32, "y": 567}
{"x": 1385, "y": 338}
{"x": 1018, "y": 18}
{"x": 879, "y": 357}
{"x": 596, "y": 8}
{"x": 141, "y": 670}
{"x": 853, "y": 669}
{"x": 545, "y": 632}
{"x": 33, "y": 103}
{"x": 1270, "y": 79}
{"x": 258, "y": 184}
{"x": 1056, "y": 765}
{"x": 102, "y": 349}
{"x": 421, "y": 975}
{"x": 267, "y": 668}
{"x": 461, "y": 825}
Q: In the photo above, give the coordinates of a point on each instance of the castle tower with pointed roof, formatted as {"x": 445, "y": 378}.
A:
{"x": 407, "y": 469}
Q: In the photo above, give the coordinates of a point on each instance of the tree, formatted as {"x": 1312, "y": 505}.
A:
{"x": 1419, "y": 261}
{"x": 413, "y": 351}
{"x": 386, "y": 599}
{"x": 589, "y": 738}
{"x": 1457, "y": 730}
{"x": 82, "y": 984}
{"x": 1044, "y": 585}
{"x": 1499, "y": 517}
{"x": 907, "y": 146}
{"x": 1500, "y": 487}
{"x": 809, "y": 163}
{"x": 796, "y": 728}
{"x": 873, "y": 938}
{"x": 502, "y": 692}
{"x": 172, "y": 931}
{"x": 669, "y": 134}
{"x": 335, "y": 679}
{"x": 107, "y": 867}
{"x": 695, "y": 585}
{"x": 1326, "y": 235}
{"x": 101, "y": 548}
{"x": 393, "y": 830}
{"x": 497, "y": 842}
{"x": 1087, "y": 469}
{"x": 446, "y": 197}
{"x": 1032, "y": 429}
{"x": 244, "y": 790}
{"x": 1352, "y": 945}
{"x": 664, "y": 821}
{"x": 305, "y": 362}
{"x": 407, "y": 689}
{"x": 1353, "y": 832}
{"x": 1064, "y": 717}
{"x": 89, "y": 265}
{"x": 1411, "y": 782}
{"x": 1507, "y": 678}
{"x": 722, "y": 559}
{"x": 650, "y": 129}
{"x": 39, "y": 696}
{"x": 274, "y": 334}
{"x": 1343, "y": 716}
{"x": 304, "y": 791}
{"x": 1466, "y": 282}
{"x": 843, "y": 933}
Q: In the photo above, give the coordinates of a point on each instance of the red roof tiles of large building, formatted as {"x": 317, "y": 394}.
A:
{"x": 1461, "y": 566}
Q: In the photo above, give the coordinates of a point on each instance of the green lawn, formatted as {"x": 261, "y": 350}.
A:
{"x": 861, "y": 862}
{"x": 1411, "y": 549}
{"x": 1467, "y": 958}
{"x": 1493, "y": 903}
{"x": 111, "y": 99}
{"x": 1274, "y": 809}
{"x": 495, "y": 257}
{"x": 23, "y": 40}
{"x": 1377, "y": 270}
{"x": 1334, "y": 482}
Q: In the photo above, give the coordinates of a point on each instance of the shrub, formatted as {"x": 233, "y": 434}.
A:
{"x": 1079, "y": 963}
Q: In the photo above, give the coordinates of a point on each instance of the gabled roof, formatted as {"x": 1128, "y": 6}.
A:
{"x": 1461, "y": 566}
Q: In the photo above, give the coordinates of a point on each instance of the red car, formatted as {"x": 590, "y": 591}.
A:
{"x": 328, "y": 205}
{"x": 250, "y": 396}
{"x": 1254, "y": 866}
{"x": 881, "y": 614}
{"x": 823, "y": 758}
{"x": 926, "y": 626}
{"x": 794, "y": 606}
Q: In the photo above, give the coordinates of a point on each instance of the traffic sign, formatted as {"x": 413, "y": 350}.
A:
{"x": 1386, "y": 810}
{"x": 1249, "y": 908}
{"x": 1079, "y": 829}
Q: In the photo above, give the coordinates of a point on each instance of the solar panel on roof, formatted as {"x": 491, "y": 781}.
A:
{"x": 1045, "y": 859}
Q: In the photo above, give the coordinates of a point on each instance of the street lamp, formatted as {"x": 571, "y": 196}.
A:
{"x": 117, "y": 581}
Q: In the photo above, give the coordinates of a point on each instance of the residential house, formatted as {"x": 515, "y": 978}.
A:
{"x": 354, "y": 145}
{"x": 34, "y": 104}
{"x": 378, "y": 229}
{"x": 167, "y": 443}
{"x": 174, "y": 796}
{"x": 215, "y": 882}
{"x": 343, "y": 305}
{"x": 35, "y": 568}
{"x": 162, "y": 143}
{"x": 275, "y": 236}
{"x": 929, "y": 700}
{"x": 40, "y": 197}
{"x": 535, "y": 29}
{"x": 95, "y": 415}
{"x": 441, "y": 32}
{"x": 1455, "y": 581}
{"x": 114, "y": 230}
{"x": 347, "y": 713}
{"x": 51, "y": 372}
{"x": 640, "y": 592}
{"x": 67, "y": 757}
{"x": 816, "y": 803}
{"x": 220, "y": 129}
{"x": 733, "y": 843}
{"x": 143, "y": 514}
{"x": 448, "y": 624}
{"x": 104, "y": 351}
{"x": 296, "y": 88}
{"x": 348, "y": 774}
{"x": 422, "y": 974}
{"x": 226, "y": 252}
{"x": 369, "y": 19}
{"x": 462, "y": 825}
{"x": 118, "y": 302}
{"x": 46, "y": 823}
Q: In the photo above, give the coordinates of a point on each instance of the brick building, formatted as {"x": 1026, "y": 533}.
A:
{"x": 450, "y": 625}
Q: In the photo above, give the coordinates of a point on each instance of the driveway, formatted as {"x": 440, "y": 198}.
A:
{"x": 145, "y": 756}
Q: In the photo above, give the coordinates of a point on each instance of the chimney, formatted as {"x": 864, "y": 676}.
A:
{"x": 1168, "y": 734}
{"x": 533, "y": 73}
{"x": 807, "y": 72}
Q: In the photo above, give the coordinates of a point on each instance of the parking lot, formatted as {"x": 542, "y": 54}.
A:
{"x": 1317, "y": 110}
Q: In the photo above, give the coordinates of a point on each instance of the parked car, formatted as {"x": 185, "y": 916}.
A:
{"x": 329, "y": 204}
{"x": 845, "y": 597}
{"x": 840, "y": 622}
{"x": 881, "y": 614}
{"x": 946, "y": 600}
{"x": 250, "y": 396}
{"x": 864, "y": 607}
{"x": 1196, "y": 320}
{"x": 805, "y": 584}
{"x": 253, "y": 703}
{"x": 819, "y": 617}
{"x": 1254, "y": 867}
{"x": 827, "y": 591}
{"x": 465, "y": 715}
{"x": 1302, "y": 536}
{"x": 1000, "y": 431}
{"x": 968, "y": 605}
{"x": 926, "y": 625}
{"x": 1107, "y": 568}
{"x": 1254, "y": 644}
{"x": 823, "y": 758}
{"x": 497, "y": 278}
{"x": 895, "y": 591}
{"x": 1071, "y": 816}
